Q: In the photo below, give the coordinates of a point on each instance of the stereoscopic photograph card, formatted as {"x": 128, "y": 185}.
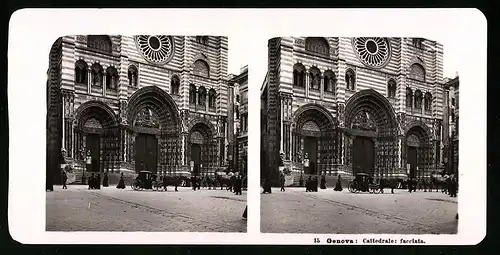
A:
{"x": 341, "y": 127}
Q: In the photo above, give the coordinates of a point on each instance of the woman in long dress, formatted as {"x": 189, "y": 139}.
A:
{"x": 338, "y": 185}
{"x": 323, "y": 182}
{"x": 105, "y": 180}
{"x": 121, "y": 183}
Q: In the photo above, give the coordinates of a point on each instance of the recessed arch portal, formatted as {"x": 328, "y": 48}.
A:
{"x": 418, "y": 149}
{"x": 371, "y": 130}
{"x": 315, "y": 138}
{"x": 153, "y": 135}
{"x": 202, "y": 147}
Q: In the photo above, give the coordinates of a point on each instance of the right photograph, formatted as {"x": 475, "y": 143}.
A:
{"x": 359, "y": 135}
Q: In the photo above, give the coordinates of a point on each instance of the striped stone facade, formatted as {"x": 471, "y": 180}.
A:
{"x": 105, "y": 87}
{"x": 322, "y": 90}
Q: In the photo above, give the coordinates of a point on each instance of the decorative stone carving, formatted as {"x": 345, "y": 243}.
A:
{"x": 196, "y": 137}
{"x": 372, "y": 51}
{"x": 363, "y": 121}
{"x": 341, "y": 112}
{"x": 156, "y": 49}
{"x": 413, "y": 141}
{"x": 81, "y": 38}
{"x": 123, "y": 112}
{"x": 147, "y": 118}
{"x": 93, "y": 123}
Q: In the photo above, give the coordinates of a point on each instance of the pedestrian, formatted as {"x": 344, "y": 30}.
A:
{"x": 267, "y": 186}
{"x": 90, "y": 181}
{"x": 121, "y": 183}
{"x": 105, "y": 180}
{"x": 338, "y": 185}
{"x": 308, "y": 184}
{"x": 315, "y": 187}
{"x": 164, "y": 180}
{"x": 239, "y": 185}
{"x": 282, "y": 182}
{"x": 98, "y": 181}
{"x": 323, "y": 182}
{"x": 245, "y": 213}
{"x": 64, "y": 179}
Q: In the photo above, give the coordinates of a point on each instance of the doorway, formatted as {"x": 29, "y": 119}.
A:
{"x": 412, "y": 160}
{"x": 146, "y": 153}
{"x": 94, "y": 145}
{"x": 311, "y": 148}
{"x": 196, "y": 157}
{"x": 363, "y": 155}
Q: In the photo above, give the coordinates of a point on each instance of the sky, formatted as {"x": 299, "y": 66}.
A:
{"x": 240, "y": 54}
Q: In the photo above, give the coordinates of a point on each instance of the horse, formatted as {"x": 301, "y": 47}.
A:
{"x": 209, "y": 181}
{"x": 227, "y": 181}
{"x": 172, "y": 181}
{"x": 439, "y": 182}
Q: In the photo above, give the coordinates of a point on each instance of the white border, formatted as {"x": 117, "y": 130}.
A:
{"x": 32, "y": 32}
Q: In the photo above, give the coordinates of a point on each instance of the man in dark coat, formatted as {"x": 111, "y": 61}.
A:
{"x": 64, "y": 179}
{"x": 315, "y": 187}
{"x": 105, "y": 181}
{"x": 91, "y": 181}
{"x": 282, "y": 182}
{"x": 267, "y": 186}
{"x": 338, "y": 185}
{"x": 98, "y": 181}
{"x": 121, "y": 183}
{"x": 323, "y": 182}
{"x": 309, "y": 184}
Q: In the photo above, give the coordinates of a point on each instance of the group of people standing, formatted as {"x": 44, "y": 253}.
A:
{"x": 94, "y": 181}
{"x": 311, "y": 184}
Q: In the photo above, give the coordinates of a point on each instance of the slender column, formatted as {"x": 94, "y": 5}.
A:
{"x": 281, "y": 123}
{"x": 183, "y": 149}
{"x": 104, "y": 85}
{"x": 307, "y": 84}
{"x": 321, "y": 87}
{"x": 63, "y": 143}
{"x": 89, "y": 82}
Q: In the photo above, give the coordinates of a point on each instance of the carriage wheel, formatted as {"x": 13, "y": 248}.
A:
{"x": 133, "y": 185}
{"x": 351, "y": 187}
{"x": 371, "y": 190}
{"x": 377, "y": 190}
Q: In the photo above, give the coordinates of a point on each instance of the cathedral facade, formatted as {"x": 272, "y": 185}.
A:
{"x": 352, "y": 105}
{"x": 156, "y": 103}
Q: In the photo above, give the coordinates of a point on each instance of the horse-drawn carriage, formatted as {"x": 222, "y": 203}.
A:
{"x": 363, "y": 183}
{"x": 147, "y": 180}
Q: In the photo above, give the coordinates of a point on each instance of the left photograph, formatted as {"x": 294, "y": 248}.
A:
{"x": 145, "y": 133}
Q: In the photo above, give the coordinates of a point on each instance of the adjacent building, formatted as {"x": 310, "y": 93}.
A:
{"x": 353, "y": 105}
{"x": 239, "y": 83}
{"x": 451, "y": 90}
{"x": 145, "y": 102}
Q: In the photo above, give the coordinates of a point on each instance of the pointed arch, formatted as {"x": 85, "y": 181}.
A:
{"x": 317, "y": 45}
{"x": 299, "y": 75}
{"x": 201, "y": 68}
{"x": 81, "y": 72}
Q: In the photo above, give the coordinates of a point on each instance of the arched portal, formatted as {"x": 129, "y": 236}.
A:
{"x": 153, "y": 134}
{"x": 95, "y": 132}
{"x": 418, "y": 148}
{"x": 371, "y": 134}
{"x": 314, "y": 137}
{"x": 202, "y": 148}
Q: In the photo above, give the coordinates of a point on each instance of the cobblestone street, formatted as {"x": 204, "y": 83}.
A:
{"x": 331, "y": 212}
{"x": 111, "y": 209}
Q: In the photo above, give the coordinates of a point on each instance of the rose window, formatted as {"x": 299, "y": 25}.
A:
{"x": 372, "y": 51}
{"x": 156, "y": 49}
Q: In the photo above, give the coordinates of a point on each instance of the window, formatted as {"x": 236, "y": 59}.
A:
{"x": 329, "y": 81}
{"x": 417, "y": 72}
{"x": 97, "y": 74}
{"x": 350, "y": 79}
{"x": 81, "y": 72}
{"x": 112, "y": 78}
{"x": 299, "y": 75}
{"x": 211, "y": 98}
{"x": 238, "y": 98}
{"x": 314, "y": 78}
{"x": 317, "y": 45}
{"x": 201, "y": 68}
{"x": 132, "y": 76}
{"x": 202, "y": 39}
{"x": 453, "y": 101}
{"x": 174, "y": 85}
{"x": 202, "y": 95}
{"x": 418, "y": 99}
{"x": 391, "y": 89}
{"x": 192, "y": 94}
{"x": 409, "y": 97}
{"x": 417, "y": 42}
{"x": 428, "y": 101}
{"x": 99, "y": 42}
